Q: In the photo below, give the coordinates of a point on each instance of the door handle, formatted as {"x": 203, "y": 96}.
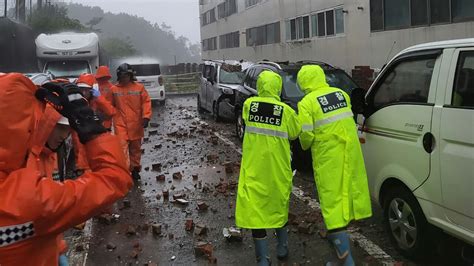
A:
{"x": 428, "y": 142}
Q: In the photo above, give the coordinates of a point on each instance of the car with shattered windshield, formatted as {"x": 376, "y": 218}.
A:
{"x": 220, "y": 82}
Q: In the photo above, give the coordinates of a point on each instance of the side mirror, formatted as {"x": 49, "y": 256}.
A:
{"x": 358, "y": 101}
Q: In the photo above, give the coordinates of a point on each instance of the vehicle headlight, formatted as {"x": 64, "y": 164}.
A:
{"x": 227, "y": 90}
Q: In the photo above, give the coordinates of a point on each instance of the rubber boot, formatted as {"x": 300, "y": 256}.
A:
{"x": 63, "y": 261}
{"x": 342, "y": 245}
{"x": 282, "y": 247}
{"x": 136, "y": 174}
{"x": 261, "y": 251}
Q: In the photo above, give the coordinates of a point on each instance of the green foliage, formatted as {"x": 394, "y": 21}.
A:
{"x": 149, "y": 39}
{"x": 118, "y": 48}
{"x": 53, "y": 19}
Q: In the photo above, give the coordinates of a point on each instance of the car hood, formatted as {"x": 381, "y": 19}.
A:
{"x": 231, "y": 86}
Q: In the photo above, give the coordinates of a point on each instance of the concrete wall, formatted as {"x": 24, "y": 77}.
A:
{"x": 357, "y": 46}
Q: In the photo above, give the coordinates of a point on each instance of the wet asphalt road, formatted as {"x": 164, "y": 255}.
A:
{"x": 180, "y": 144}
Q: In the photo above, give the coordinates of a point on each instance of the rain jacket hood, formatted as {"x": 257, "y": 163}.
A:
{"x": 311, "y": 78}
{"x": 269, "y": 85}
{"x": 19, "y": 111}
{"x": 86, "y": 80}
{"x": 103, "y": 72}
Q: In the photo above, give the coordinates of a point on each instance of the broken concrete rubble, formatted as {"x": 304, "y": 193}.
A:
{"x": 156, "y": 229}
{"x": 156, "y": 167}
{"x": 177, "y": 176}
{"x": 232, "y": 234}
{"x": 189, "y": 225}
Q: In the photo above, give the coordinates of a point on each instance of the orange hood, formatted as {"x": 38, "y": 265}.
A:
{"x": 103, "y": 72}
{"x": 19, "y": 111}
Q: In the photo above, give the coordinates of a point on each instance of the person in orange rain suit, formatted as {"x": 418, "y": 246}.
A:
{"x": 105, "y": 86}
{"x": 42, "y": 154}
{"x": 133, "y": 115}
{"x": 89, "y": 88}
{"x": 35, "y": 210}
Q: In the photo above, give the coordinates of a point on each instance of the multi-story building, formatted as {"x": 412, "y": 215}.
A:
{"x": 344, "y": 33}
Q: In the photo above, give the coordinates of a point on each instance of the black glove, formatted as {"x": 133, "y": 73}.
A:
{"x": 146, "y": 121}
{"x": 68, "y": 101}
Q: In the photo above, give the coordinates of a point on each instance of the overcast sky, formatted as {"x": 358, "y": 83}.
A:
{"x": 181, "y": 15}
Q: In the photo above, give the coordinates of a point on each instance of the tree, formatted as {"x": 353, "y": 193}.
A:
{"x": 53, "y": 19}
{"x": 94, "y": 22}
{"x": 117, "y": 48}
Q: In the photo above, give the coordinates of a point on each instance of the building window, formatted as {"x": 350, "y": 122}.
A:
{"x": 208, "y": 17}
{"x": 339, "y": 20}
{"x": 226, "y": 8}
{"x": 299, "y": 28}
{"x": 321, "y": 25}
{"x": 439, "y": 11}
{"x": 288, "y": 30}
{"x": 419, "y": 12}
{"x": 209, "y": 44}
{"x": 462, "y": 10}
{"x": 314, "y": 25}
{"x": 396, "y": 14}
{"x": 376, "y": 15}
{"x": 229, "y": 40}
{"x": 330, "y": 22}
{"x": 266, "y": 34}
{"x": 249, "y": 3}
{"x": 293, "y": 29}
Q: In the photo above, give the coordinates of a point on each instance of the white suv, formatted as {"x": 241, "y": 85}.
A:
{"x": 419, "y": 142}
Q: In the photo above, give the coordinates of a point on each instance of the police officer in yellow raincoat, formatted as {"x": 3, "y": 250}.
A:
{"x": 328, "y": 128}
{"x": 265, "y": 176}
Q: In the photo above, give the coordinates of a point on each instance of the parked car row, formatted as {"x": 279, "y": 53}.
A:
{"x": 416, "y": 124}
{"x": 224, "y": 96}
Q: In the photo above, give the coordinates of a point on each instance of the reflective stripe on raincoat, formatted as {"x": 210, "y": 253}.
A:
{"x": 35, "y": 210}
{"x": 265, "y": 180}
{"x": 330, "y": 131}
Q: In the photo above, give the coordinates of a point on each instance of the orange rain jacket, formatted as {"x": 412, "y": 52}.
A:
{"x": 43, "y": 159}
{"x": 105, "y": 110}
{"x": 133, "y": 105}
{"x": 35, "y": 210}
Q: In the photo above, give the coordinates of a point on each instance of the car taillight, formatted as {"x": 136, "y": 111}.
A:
{"x": 160, "y": 80}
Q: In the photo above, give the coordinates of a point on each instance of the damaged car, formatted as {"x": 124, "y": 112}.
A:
{"x": 219, "y": 82}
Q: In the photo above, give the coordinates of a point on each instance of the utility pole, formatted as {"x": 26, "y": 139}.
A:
{"x": 39, "y": 3}
{"x": 5, "y": 10}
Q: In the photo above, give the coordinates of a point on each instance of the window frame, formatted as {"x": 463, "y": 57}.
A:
{"x": 450, "y": 92}
{"x": 452, "y": 19}
{"x": 427, "y": 54}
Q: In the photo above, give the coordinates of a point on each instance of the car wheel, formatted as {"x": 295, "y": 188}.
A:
{"x": 199, "y": 105}
{"x": 240, "y": 126}
{"x": 405, "y": 222}
{"x": 215, "y": 112}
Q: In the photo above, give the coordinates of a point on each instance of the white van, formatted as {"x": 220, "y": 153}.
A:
{"x": 149, "y": 74}
{"x": 419, "y": 142}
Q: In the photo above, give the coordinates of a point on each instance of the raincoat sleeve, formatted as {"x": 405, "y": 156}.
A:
{"x": 245, "y": 110}
{"x": 307, "y": 123}
{"x": 64, "y": 205}
{"x": 146, "y": 104}
{"x": 105, "y": 106}
{"x": 294, "y": 125}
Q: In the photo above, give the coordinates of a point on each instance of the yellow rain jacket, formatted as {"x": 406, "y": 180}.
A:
{"x": 330, "y": 131}
{"x": 265, "y": 180}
